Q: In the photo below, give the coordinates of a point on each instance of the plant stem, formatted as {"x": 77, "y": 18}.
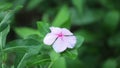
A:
{"x": 1, "y": 49}
{"x": 50, "y": 65}
{"x": 2, "y": 65}
{"x": 2, "y": 59}
{"x": 20, "y": 63}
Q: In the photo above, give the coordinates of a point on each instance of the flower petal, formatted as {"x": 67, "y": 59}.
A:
{"x": 59, "y": 45}
{"x": 55, "y": 30}
{"x": 49, "y": 39}
{"x": 71, "y": 40}
{"x": 66, "y": 31}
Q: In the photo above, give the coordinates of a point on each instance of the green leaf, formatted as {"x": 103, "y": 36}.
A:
{"x": 6, "y": 20}
{"x": 3, "y": 36}
{"x": 72, "y": 54}
{"x": 35, "y": 37}
{"x": 2, "y": 15}
{"x": 32, "y": 4}
{"x": 45, "y": 17}
{"x": 23, "y": 45}
{"x": 79, "y": 5}
{"x": 43, "y": 28}
{"x": 7, "y": 17}
{"x": 57, "y": 61}
{"x": 5, "y": 6}
{"x": 24, "y": 32}
{"x": 60, "y": 63}
{"x": 63, "y": 18}
{"x": 111, "y": 21}
{"x": 80, "y": 41}
{"x": 110, "y": 63}
{"x": 54, "y": 56}
{"x": 17, "y": 8}
{"x": 0, "y": 58}
{"x": 19, "y": 3}
{"x": 88, "y": 17}
{"x": 88, "y": 36}
{"x": 74, "y": 63}
{"x": 3, "y": 26}
{"x": 37, "y": 60}
{"x": 28, "y": 46}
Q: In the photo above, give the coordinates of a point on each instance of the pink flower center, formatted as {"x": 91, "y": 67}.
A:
{"x": 60, "y": 35}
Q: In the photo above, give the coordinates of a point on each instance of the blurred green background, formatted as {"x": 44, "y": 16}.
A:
{"x": 98, "y": 21}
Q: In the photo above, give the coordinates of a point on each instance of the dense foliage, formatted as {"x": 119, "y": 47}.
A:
{"x": 24, "y": 24}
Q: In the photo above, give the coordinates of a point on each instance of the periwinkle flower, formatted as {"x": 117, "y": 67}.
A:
{"x": 60, "y": 39}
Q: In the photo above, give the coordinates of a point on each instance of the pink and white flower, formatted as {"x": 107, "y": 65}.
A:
{"x": 60, "y": 39}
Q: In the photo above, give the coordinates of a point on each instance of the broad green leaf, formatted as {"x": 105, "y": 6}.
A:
{"x": 32, "y": 4}
{"x": 0, "y": 58}
{"x": 45, "y": 17}
{"x": 24, "y": 32}
{"x": 3, "y": 36}
{"x": 54, "y": 56}
{"x": 110, "y": 63}
{"x": 111, "y": 21}
{"x": 72, "y": 53}
{"x": 2, "y": 15}
{"x": 79, "y": 5}
{"x": 60, "y": 63}
{"x": 37, "y": 60}
{"x": 87, "y": 35}
{"x": 88, "y": 17}
{"x": 35, "y": 37}
{"x": 6, "y": 20}
{"x": 3, "y": 26}
{"x": 80, "y": 41}
{"x": 19, "y": 3}
{"x": 63, "y": 18}
{"x": 7, "y": 17}
{"x": 4, "y": 29}
{"x": 5, "y": 6}
{"x": 28, "y": 46}
{"x": 57, "y": 61}
{"x": 43, "y": 28}
{"x": 74, "y": 63}
{"x": 21, "y": 63}
{"x": 17, "y": 8}
{"x": 23, "y": 45}
{"x": 18, "y": 49}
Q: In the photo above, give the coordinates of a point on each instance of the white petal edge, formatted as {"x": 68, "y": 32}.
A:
{"x": 71, "y": 40}
{"x": 55, "y": 30}
{"x": 59, "y": 45}
{"x": 49, "y": 39}
{"x": 66, "y": 31}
